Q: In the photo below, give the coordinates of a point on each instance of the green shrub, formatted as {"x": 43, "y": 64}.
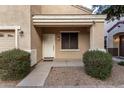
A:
{"x": 121, "y": 63}
{"x": 98, "y": 64}
{"x": 14, "y": 64}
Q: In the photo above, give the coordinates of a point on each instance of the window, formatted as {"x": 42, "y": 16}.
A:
{"x": 10, "y": 35}
{"x": 69, "y": 40}
{"x": 1, "y": 35}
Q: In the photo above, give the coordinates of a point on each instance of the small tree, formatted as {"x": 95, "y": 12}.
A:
{"x": 113, "y": 11}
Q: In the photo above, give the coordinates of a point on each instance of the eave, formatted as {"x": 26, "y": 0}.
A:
{"x": 67, "y": 19}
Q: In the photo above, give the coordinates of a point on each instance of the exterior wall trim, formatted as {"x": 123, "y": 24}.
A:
{"x": 61, "y": 24}
{"x": 66, "y": 19}
{"x": 9, "y": 27}
{"x": 16, "y": 28}
{"x": 115, "y": 25}
{"x": 67, "y": 50}
{"x": 92, "y": 16}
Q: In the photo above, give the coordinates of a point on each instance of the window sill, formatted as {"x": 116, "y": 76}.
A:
{"x": 71, "y": 50}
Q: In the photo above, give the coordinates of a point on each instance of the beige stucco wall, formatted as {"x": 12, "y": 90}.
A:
{"x": 36, "y": 41}
{"x": 57, "y": 9}
{"x": 18, "y": 16}
{"x": 36, "y": 9}
{"x": 83, "y": 42}
{"x": 36, "y": 33}
{"x": 97, "y": 35}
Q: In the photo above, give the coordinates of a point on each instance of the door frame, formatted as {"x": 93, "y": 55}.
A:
{"x": 120, "y": 45}
{"x": 43, "y": 46}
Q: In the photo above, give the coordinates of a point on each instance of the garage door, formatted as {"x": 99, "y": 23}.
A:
{"x": 7, "y": 40}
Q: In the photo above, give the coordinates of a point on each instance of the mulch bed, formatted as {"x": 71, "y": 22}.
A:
{"x": 76, "y": 77}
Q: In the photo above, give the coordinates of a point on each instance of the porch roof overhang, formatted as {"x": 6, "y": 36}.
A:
{"x": 47, "y": 20}
{"x": 118, "y": 34}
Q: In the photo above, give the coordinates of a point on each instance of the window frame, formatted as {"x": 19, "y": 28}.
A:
{"x": 61, "y": 41}
{"x": 10, "y": 35}
{"x": 2, "y": 35}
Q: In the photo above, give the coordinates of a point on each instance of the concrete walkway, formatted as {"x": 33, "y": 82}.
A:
{"x": 117, "y": 59}
{"x": 38, "y": 76}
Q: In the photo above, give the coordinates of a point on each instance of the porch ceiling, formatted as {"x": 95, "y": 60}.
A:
{"x": 44, "y": 20}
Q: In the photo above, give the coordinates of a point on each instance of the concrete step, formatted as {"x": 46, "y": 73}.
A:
{"x": 48, "y": 59}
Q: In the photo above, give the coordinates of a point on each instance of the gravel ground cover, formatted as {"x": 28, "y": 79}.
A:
{"x": 76, "y": 77}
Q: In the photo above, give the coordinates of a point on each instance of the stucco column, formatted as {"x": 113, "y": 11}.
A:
{"x": 17, "y": 28}
{"x": 16, "y": 38}
{"x": 97, "y": 35}
{"x": 92, "y": 37}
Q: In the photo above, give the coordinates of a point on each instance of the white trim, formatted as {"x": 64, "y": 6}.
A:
{"x": 70, "y": 50}
{"x": 16, "y": 38}
{"x": 66, "y": 21}
{"x": 9, "y": 27}
{"x": 59, "y": 19}
{"x": 16, "y": 28}
{"x": 62, "y": 24}
{"x": 67, "y": 17}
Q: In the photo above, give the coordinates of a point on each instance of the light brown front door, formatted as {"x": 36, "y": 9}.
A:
{"x": 122, "y": 45}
